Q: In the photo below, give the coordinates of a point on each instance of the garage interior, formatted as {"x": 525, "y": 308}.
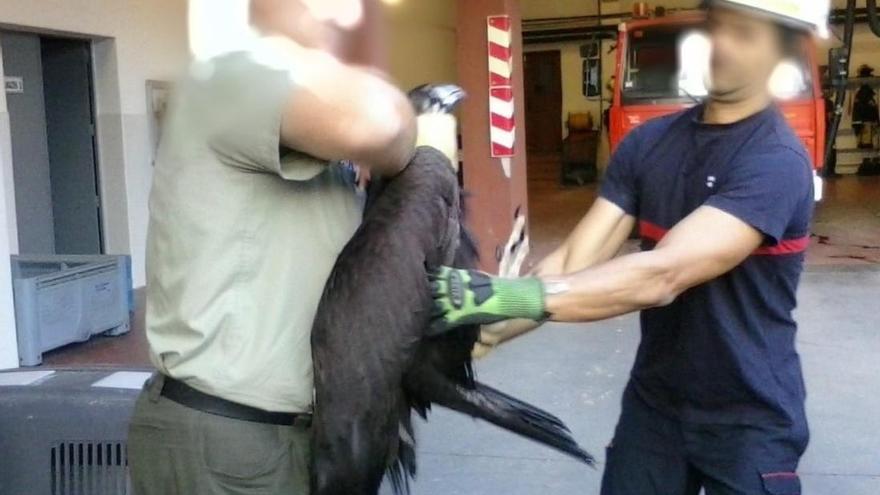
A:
{"x": 77, "y": 130}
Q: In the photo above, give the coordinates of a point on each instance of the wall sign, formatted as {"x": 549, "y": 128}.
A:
{"x": 13, "y": 85}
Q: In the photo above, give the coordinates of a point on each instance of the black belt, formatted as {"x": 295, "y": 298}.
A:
{"x": 187, "y": 396}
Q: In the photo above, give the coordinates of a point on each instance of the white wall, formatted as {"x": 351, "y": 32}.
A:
{"x": 422, "y": 42}
{"x": 137, "y": 41}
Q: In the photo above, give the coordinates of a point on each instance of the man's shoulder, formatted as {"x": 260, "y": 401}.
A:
{"x": 776, "y": 155}
{"x": 782, "y": 140}
{"x": 781, "y": 145}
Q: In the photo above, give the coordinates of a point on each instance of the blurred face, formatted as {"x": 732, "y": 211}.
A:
{"x": 311, "y": 23}
{"x": 745, "y": 50}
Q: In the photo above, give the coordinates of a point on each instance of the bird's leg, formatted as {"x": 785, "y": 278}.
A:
{"x": 438, "y": 128}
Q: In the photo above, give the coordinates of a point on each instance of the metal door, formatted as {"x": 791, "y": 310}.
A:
{"x": 67, "y": 85}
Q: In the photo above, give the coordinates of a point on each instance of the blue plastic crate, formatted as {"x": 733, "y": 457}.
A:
{"x": 62, "y": 299}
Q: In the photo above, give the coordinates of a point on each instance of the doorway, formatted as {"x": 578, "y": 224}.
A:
{"x": 52, "y": 125}
{"x": 543, "y": 91}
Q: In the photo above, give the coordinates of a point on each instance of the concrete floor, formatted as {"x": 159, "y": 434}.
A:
{"x": 578, "y": 371}
{"x": 846, "y": 229}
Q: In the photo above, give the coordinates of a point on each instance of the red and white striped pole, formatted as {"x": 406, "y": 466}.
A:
{"x": 502, "y": 131}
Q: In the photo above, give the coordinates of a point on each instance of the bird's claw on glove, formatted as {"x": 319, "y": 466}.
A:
{"x": 470, "y": 297}
{"x": 458, "y": 299}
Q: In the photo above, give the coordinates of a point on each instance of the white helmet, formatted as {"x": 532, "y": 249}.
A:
{"x": 806, "y": 14}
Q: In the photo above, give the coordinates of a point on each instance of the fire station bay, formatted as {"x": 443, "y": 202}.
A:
{"x": 363, "y": 247}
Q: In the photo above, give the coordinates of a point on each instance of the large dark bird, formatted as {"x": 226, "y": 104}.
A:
{"x": 374, "y": 361}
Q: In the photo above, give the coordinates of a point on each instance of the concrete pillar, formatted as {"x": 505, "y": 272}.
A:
{"x": 495, "y": 199}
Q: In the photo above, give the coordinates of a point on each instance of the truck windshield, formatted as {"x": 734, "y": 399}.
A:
{"x": 670, "y": 64}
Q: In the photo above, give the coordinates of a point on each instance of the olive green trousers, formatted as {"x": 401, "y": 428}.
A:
{"x": 175, "y": 450}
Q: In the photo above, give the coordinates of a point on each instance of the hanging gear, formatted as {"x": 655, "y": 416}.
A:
{"x": 866, "y": 115}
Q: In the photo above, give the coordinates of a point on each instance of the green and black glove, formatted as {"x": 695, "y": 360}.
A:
{"x": 470, "y": 297}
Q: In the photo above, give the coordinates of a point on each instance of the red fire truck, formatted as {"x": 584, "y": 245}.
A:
{"x": 652, "y": 56}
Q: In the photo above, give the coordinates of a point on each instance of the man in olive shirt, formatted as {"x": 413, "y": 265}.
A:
{"x": 241, "y": 239}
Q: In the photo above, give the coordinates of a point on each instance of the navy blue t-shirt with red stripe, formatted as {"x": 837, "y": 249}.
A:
{"x": 722, "y": 352}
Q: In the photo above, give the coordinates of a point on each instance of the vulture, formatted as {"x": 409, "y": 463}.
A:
{"x": 375, "y": 360}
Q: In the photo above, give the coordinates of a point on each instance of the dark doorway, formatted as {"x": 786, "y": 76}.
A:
{"x": 70, "y": 128}
{"x": 53, "y": 144}
{"x": 543, "y": 90}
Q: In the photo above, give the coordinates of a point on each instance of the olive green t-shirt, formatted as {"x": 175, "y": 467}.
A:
{"x": 242, "y": 238}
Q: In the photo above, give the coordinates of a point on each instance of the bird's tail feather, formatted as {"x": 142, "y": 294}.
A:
{"x": 512, "y": 414}
{"x": 403, "y": 467}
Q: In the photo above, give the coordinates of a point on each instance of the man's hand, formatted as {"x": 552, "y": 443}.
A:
{"x": 470, "y": 297}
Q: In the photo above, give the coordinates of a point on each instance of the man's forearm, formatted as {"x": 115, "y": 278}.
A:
{"x": 503, "y": 330}
{"x": 596, "y": 239}
{"x": 626, "y": 284}
{"x": 615, "y": 241}
{"x": 565, "y": 262}
{"x": 686, "y": 257}
{"x": 364, "y": 48}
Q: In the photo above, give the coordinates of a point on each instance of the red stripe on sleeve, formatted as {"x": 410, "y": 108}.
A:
{"x": 653, "y": 232}
{"x": 786, "y": 246}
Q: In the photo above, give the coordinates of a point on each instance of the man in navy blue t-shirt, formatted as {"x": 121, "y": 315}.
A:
{"x": 723, "y": 197}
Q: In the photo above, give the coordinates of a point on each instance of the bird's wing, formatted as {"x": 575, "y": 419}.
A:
{"x": 370, "y": 323}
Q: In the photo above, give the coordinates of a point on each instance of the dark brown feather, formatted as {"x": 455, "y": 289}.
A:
{"x": 373, "y": 363}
